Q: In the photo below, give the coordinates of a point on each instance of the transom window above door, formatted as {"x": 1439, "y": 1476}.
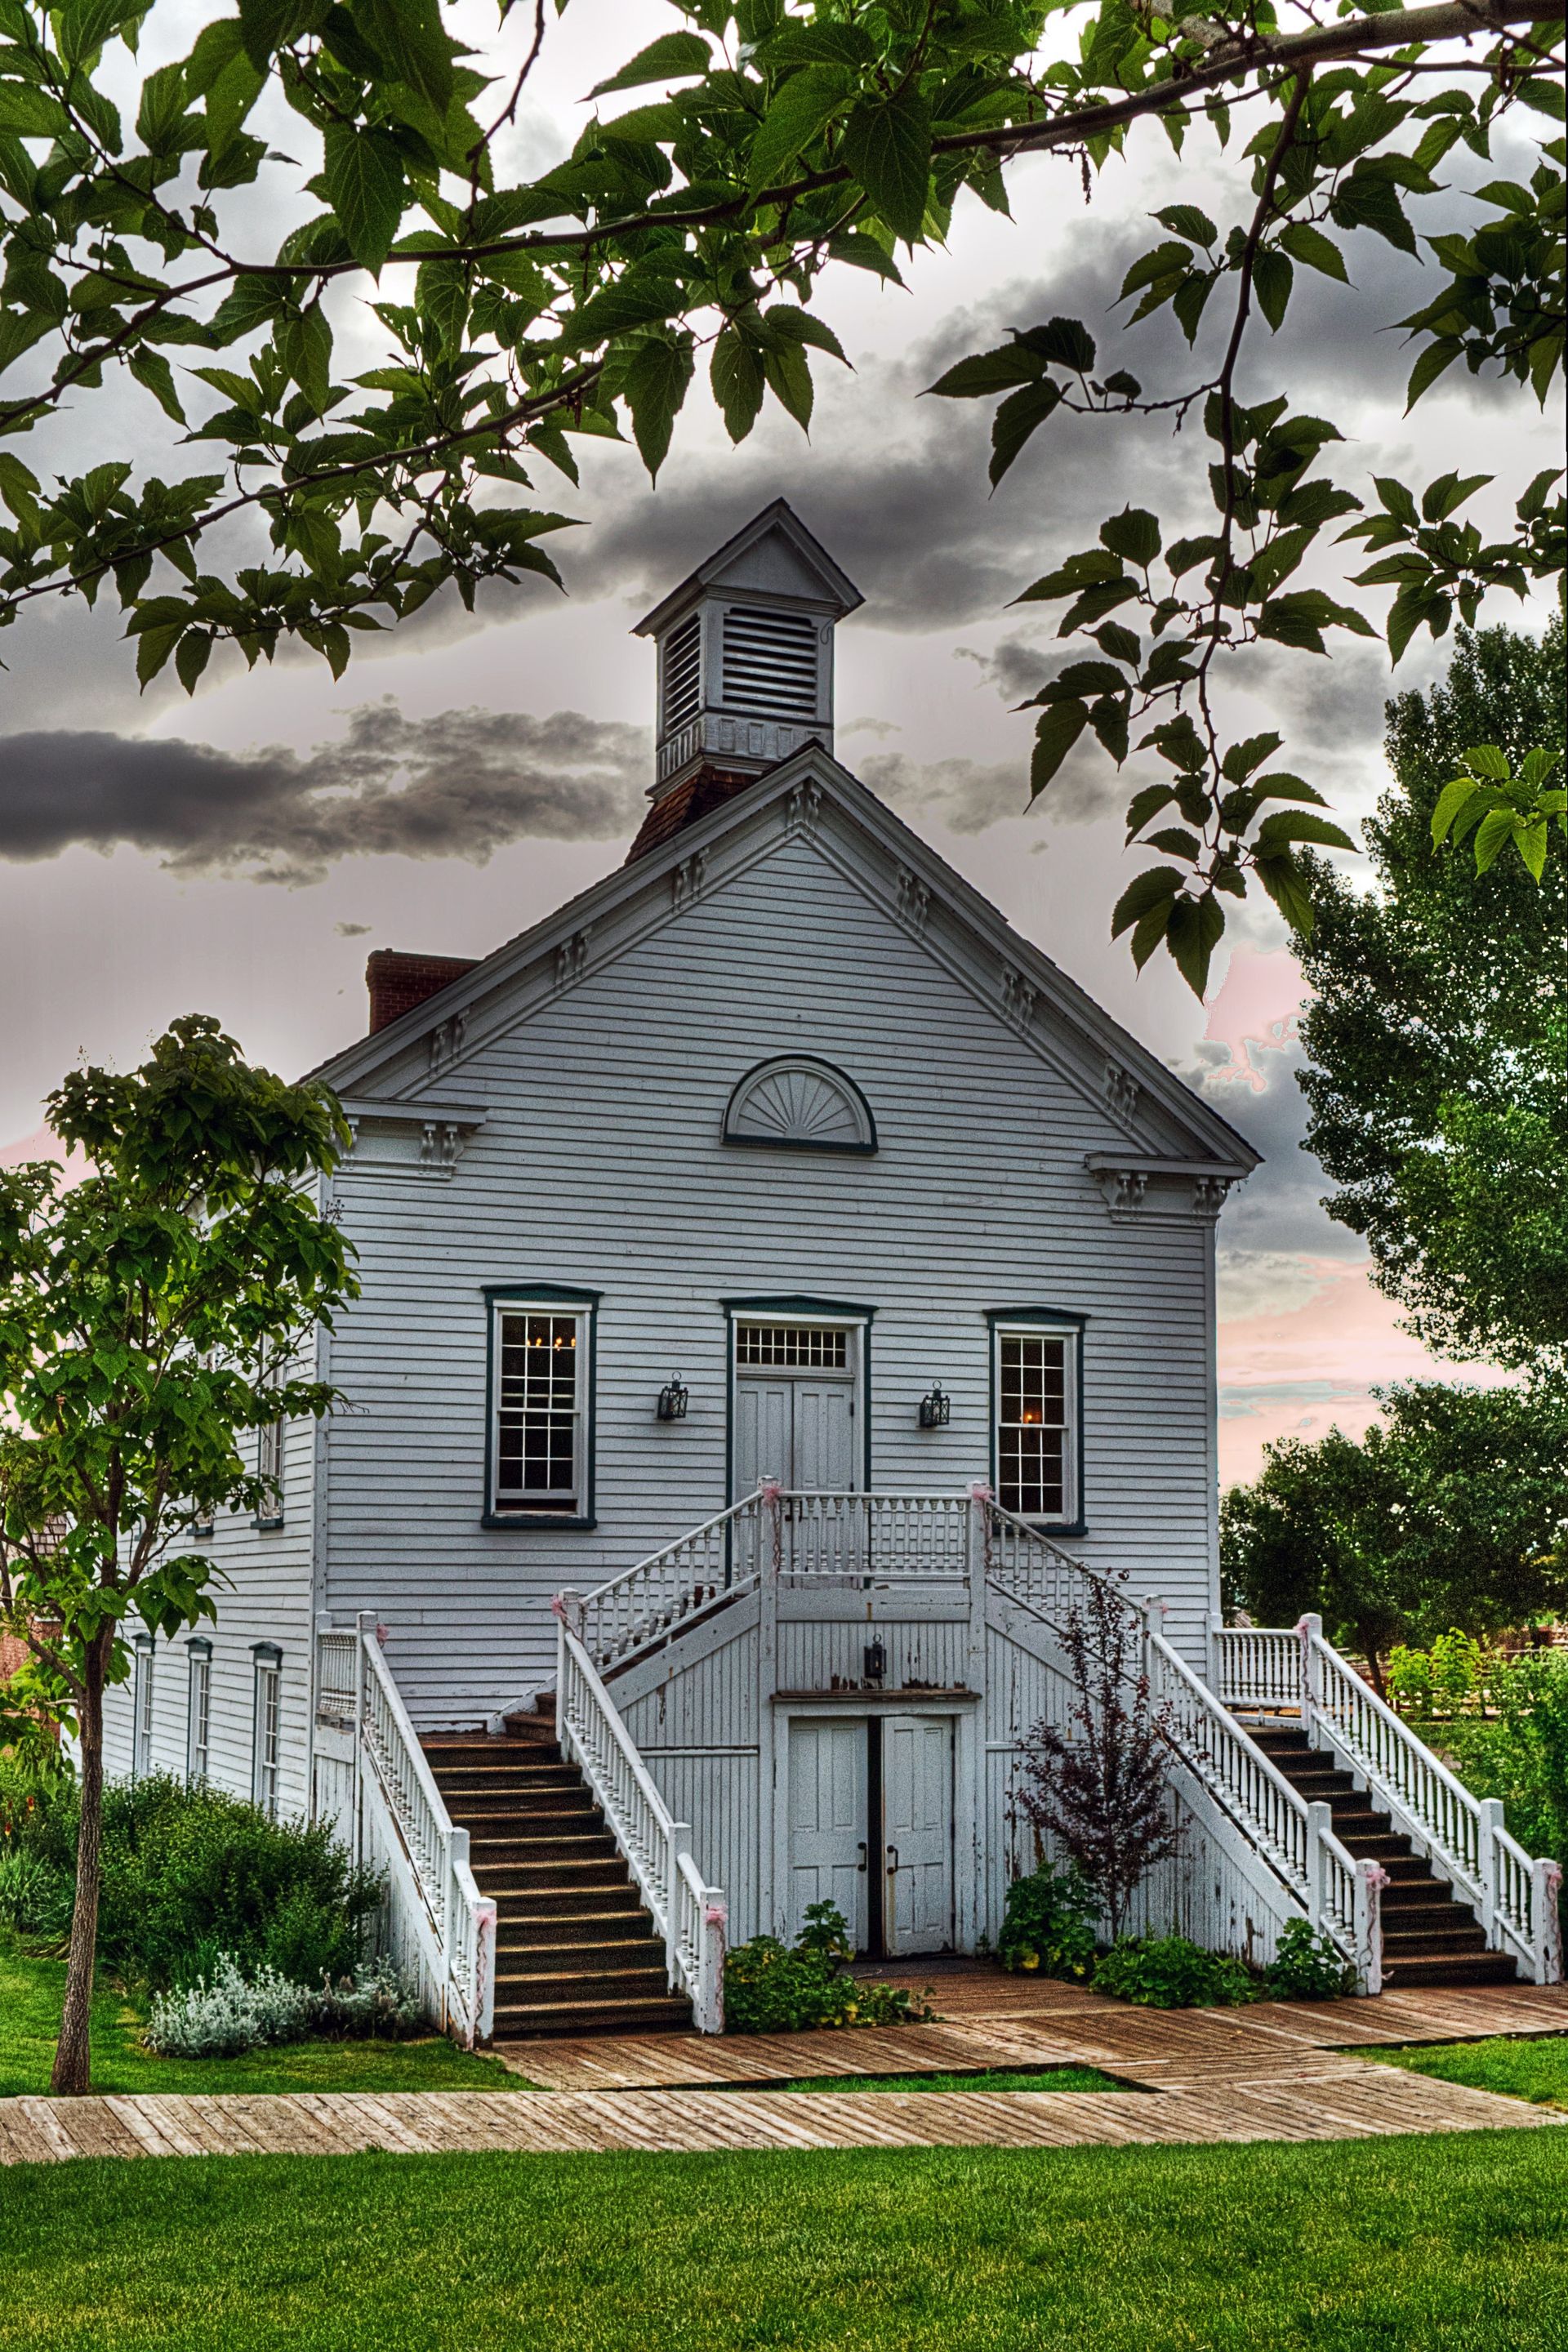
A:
{"x": 792, "y": 1347}
{"x": 1036, "y": 1423}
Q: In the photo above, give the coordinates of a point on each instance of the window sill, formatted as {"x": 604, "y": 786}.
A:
{"x": 522, "y": 1521}
{"x": 267, "y": 1527}
{"x": 1052, "y": 1527}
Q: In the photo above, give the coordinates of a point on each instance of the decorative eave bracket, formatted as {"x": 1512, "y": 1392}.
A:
{"x": 423, "y": 1138}
{"x": 1141, "y": 1187}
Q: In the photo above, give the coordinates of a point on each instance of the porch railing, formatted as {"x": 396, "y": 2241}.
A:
{"x": 436, "y": 1904}
{"x": 672, "y": 1588}
{"x": 688, "y": 1914}
{"x": 1513, "y": 1894}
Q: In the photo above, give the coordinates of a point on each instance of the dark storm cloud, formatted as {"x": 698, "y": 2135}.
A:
{"x": 1278, "y": 1213}
{"x": 461, "y": 784}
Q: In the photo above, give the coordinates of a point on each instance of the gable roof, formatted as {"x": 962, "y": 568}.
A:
{"x": 813, "y": 793}
{"x": 772, "y": 555}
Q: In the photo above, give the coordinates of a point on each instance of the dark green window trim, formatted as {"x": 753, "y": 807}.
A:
{"x": 1057, "y": 1318}
{"x": 545, "y": 1294}
{"x": 796, "y": 1308}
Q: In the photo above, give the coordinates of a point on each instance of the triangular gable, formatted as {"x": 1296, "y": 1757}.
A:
{"x": 423, "y": 1053}
{"x": 774, "y": 555}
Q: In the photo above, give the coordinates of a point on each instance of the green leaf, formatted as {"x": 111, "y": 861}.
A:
{"x": 1122, "y": 644}
{"x": 271, "y": 24}
{"x": 1308, "y": 245}
{"x": 192, "y": 657}
{"x": 1176, "y": 842}
{"x": 1272, "y": 278}
{"x": 1242, "y": 757}
{"x": 988, "y": 372}
{"x": 1531, "y": 842}
{"x": 1194, "y": 931}
{"x": 1077, "y": 571}
{"x": 409, "y": 34}
{"x": 1454, "y": 797}
{"x": 1495, "y": 831}
{"x": 654, "y": 389}
{"x": 30, "y": 113}
{"x": 1279, "y": 786}
{"x": 153, "y": 647}
{"x": 820, "y": 43}
{"x": 1448, "y": 491}
{"x": 1016, "y": 420}
{"x": 1160, "y": 262}
{"x": 805, "y": 102}
{"x": 305, "y": 347}
{"x": 1155, "y": 884}
{"x": 368, "y": 191}
{"x": 1486, "y": 759}
{"x": 674, "y": 57}
{"x": 1147, "y": 803}
{"x": 1288, "y": 826}
{"x": 788, "y": 378}
{"x": 84, "y": 26}
{"x": 1133, "y": 534}
{"x": 1186, "y": 220}
{"x": 152, "y": 369}
{"x": 888, "y": 148}
{"x": 1286, "y": 884}
{"x": 1434, "y": 362}
{"x": 1064, "y": 342}
{"x": 735, "y": 373}
{"x": 1057, "y": 731}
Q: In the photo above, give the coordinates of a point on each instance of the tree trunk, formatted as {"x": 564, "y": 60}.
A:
{"x": 1373, "y": 1665}
{"x": 73, "y": 2058}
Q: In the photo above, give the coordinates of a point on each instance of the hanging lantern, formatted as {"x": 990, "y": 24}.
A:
{"x": 672, "y": 1400}
{"x": 936, "y": 1408}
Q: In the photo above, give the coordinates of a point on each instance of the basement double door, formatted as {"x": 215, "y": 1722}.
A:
{"x": 871, "y": 1827}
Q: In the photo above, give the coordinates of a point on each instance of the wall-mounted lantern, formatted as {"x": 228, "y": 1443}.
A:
{"x": 672, "y": 1400}
{"x": 936, "y": 1409}
{"x": 876, "y": 1657}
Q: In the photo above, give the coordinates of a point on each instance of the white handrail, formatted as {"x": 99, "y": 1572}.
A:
{"x": 1339, "y": 1893}
{"x": 688, "y": 1914}
{"x": 458, "y": 1930}
{"x": 1463, "y": 1833}
{"x": 1256, "y": 1665}
{"x": 673, "y": 1586}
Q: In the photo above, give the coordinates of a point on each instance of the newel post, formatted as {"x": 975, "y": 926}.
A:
{"x": 1488, "y": 1822}
{"x": 1370, "y": 1881}
{"x": 977, "y": 1563}
{"x": 1545, "y": 1887}
{"x": 1309, "y": 1633}
{"x": 679, "y": 1843}
{"x": 366, "y": 1617}
{"x": 1320, "y": 1824}
{"x": 1153, "y": 1632}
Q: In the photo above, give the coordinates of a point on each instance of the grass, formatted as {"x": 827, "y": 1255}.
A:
{"x": 32, "y": 1991}
{"x": 1531, "y": 2070}
{"x": 1029, "y": 2078}
{"x": 1451, "y": 2243}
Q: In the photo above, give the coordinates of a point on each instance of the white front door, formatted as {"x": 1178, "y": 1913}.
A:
{"x": 917, "y": 1830}
{"x": 794, "y": 1407}
{"x": 827, "y": 1821}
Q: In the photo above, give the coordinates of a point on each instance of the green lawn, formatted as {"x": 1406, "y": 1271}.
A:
{"x": 31, "y": 1991}
{"x": 1444, "y": 2245}
{"x": 1032, "y": 2078}
{"x": 1522, "y": 2070}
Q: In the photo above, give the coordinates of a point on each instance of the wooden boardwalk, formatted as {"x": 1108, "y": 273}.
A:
{"x": 1275, "y": 2072}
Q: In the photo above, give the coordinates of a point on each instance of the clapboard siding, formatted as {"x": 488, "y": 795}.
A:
{"x": 262, "y": 1586}
{"x": 600, "y": 1164}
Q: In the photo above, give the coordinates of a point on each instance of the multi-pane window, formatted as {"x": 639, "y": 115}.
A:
{"x": 793, "y": 1347}
{"x": 1035, "y": 1406}
{"x": 267, "y": 1735}
{"x": 269, "y": 1470}
{"x": 198, "y": 1721}
{"x": 540, "y": 1393}
{"x": 142, "y": 1711}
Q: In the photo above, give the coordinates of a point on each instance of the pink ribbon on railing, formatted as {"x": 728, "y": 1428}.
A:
{"x": 558, "y": 1605}
{"x": 381, "y": 1633}
{"x": 716, "y": 1916}
{"x": 981, "y": 1493}
{"x": 770, "y": 1490}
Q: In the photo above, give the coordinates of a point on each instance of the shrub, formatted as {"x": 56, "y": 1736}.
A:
{"x": 1308, "y": 1965}
{"x": 189, "y": 1873}
{"x": 771, "y": 1989}
{"x": 1049, "y": 1924}
{"x": 1170, "y": 1972}
{"x": 222, "y": 2016}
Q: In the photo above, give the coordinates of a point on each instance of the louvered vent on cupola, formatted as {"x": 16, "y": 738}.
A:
{"x": 745, "y": 651}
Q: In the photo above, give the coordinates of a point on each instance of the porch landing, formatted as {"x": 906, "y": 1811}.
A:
{"x": 1275, "y": 2072}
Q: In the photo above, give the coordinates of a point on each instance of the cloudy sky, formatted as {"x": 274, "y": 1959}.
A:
{"x": 241, "y": 851}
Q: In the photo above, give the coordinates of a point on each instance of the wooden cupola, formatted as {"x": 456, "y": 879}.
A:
{"x": 745, "y": 652}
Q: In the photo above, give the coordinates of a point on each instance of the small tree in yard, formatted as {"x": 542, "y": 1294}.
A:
{"x": 150, "y": 1316}
{"x": 1101, "y": 1787}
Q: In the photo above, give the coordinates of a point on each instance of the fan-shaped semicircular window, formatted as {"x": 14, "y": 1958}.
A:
{"x": 795, "y": 1103}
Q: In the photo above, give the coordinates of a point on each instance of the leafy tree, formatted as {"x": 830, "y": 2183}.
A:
{"x": 149, "y": 1315}
{"x": 706, "y": 220}
{"x": 1438, "y": 1033}
{"x": 1101, "y": 1787}
{"x": 1452, "y": 1511}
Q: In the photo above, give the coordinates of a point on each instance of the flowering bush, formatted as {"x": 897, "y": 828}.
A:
{"x": 771, "y": 1989}
{"x": 1171, "y": 1972}
{"x": 228, "y": 2013}
{"x": 1049, "y": 1924}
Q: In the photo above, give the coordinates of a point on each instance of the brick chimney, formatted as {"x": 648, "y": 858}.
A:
{"x": 397, "y": 983}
